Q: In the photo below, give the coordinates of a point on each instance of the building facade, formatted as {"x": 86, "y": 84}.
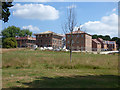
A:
{"x": 25, "y": 41}
{"x": 49, "y": 39}
{"x": 96, "y": 45}
{"x": 111, "y": 45}
{"x": 103, "y": 44}
{"x": 80, "y": 41}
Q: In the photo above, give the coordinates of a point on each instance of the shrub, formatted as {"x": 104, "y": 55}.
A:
{"x": 9, "y": 43}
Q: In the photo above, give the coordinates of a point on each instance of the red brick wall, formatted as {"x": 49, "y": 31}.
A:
{"x": 79, "y": 41}
{"x": 49, "y": 40}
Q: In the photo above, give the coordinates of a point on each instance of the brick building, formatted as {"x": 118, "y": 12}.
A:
{"x": 49, "y": 39}
{"x": 25, "y": 41}
{"x": 80, "y": 41}
{"x": 111, "y": 45}
{"x": 96, "y": 45}
{"x": 103, "y": 44}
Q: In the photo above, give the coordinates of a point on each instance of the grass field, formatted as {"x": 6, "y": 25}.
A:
{"x": 48, "y": 69}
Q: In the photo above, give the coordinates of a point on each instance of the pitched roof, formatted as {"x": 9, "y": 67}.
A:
{"x": 79, "y": 32}
{"x": 100, "y": 39}
{"x": 76, "y": 32}
{"x": 96, "y": 41}
{"x": 48, "y": 32}
{"x": 30, "y": 38}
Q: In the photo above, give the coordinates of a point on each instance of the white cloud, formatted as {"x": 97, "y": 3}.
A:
{"x": 34, "y": 29}
{"x": 35, "y": 11}
{"x": 108, "y": 25}
{"x": 72, "y": 6}
{"x": 114, "y": 10}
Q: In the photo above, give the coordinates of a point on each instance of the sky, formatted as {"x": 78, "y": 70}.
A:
{"x": 94, "y": 17}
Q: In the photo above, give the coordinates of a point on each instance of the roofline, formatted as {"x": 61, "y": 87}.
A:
{"x": 48, "y": 33}
{"x": 78, "y": 33}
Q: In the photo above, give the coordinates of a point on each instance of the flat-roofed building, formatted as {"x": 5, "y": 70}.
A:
{"x": 80, "y": 40}
{"x": 49, "y": 39}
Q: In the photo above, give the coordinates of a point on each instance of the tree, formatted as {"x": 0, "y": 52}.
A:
{"x": 117, "y": 41}
{"x": 107, "y": 37}
{"x": 9, "y": 43}
{"x": 69, "y": 26}
{"x": 25, "y": 32}
{"x": 100, "y": 36}
{"x": 4, "y": 10}
{"x": 94, "y": 36}
{"x": 11, "y": 31}
{"x": 114, "y": 39}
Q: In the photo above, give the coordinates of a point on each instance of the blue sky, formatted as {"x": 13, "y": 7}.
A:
{"x": 95, "y": 17}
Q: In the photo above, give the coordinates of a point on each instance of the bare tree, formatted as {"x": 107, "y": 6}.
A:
{"x": 69, "y": 26}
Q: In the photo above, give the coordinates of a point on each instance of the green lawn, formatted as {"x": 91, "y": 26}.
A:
{"x": 49, "y": 69}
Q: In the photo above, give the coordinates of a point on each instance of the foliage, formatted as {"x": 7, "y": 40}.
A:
{"x": 10, "y": 43}
{"x": 11, "y": 31}
{"x": 106, "y": 37}
{"x": 117, "y": 41}
{"x": 24, "y": 33}
{"x": 94, "y": 36}
{"x": 5, "y": 12}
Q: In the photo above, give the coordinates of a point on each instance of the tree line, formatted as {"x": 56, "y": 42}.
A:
{"x": 107, "y": 38}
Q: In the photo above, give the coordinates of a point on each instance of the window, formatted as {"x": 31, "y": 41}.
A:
{"x": 72, "y": 41}
{"x": 36, "y": 36}
{"x": 68, "y": 41}
{"x": 41, "y": 41}
{"x": 78, "y": 35}
{"x": 68, "y": 36}
{"x": 77, "y": 41}
{"x": 82, "y": 35}
{"x": 67, "y": 47}
{"x": 82, "y": 42}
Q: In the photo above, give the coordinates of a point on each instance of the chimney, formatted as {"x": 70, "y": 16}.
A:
{"x": 78, "y": 29}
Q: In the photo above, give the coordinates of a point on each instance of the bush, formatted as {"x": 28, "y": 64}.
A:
{"x": 9, "y": 43}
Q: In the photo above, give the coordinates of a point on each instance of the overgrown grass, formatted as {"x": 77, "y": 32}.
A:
{"x": 48, "y": 69}
{"x": 51, "y": 59}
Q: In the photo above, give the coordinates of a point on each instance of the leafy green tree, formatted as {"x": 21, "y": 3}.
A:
{"x": 100, "y": 36}
{"x": 11, "y": 31}
{"x": 25, "y": 32}
{"x": 9, "y": 43}
{"x": 114, "y": 39}
{"x": 4, "y": 10}
{"x": 106, "y": 37}
{"x": 94, "y": 36}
